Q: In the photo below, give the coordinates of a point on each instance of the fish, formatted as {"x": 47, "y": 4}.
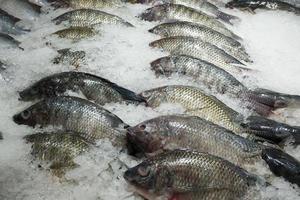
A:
{"x": 201, "y": 5}
{"x": 94, "y": 4}
{"x": 211, "y": 77}
{"x": 283, "y": 165}
{"x": 252, "y": 5}
{"x": 93, "y": 87}
{"x": 7, "y": 41}
{"x": 183, "y": 174}
{"x": 21, "y": 9}
{"x": 57, "y": 148}
{"x": 171, "y": 12}
{"x": 76, "y": 33}
{"x": 172, "y": 132}
{"x": 8, "y": 24}
{"x": 69, "y": 57}
{"x": 89, "y": 18}
{"x": 197, "y": 103}
{"x": 76, "y": 115}
{"x": 229, "y": 45}
{"x": 194, "y": 47}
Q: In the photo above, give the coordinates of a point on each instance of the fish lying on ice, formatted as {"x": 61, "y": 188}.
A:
{"x": 77, "y": 33}
{"x": 93, "y": 4}
{"x": 91, "y": 86}
{"x": 8, "y": 24}
{"x": 69, "y": 57}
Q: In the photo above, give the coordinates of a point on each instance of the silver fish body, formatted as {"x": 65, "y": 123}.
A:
{"x": 229, "y": 45}
{"x": 76, "y": 33}
{"x": 92, "y": 87}
{"x": 89, "y": 17}
{"x": 183, "y": 13}
{"x": 181, "y": 45}
{"x": 182, "y": 174}
{"x": 76, "y": 115}
{"x": 93, "y": 4}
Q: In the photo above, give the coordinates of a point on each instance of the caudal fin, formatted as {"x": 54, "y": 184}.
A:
{"x": 282, "y": 164}
{"x": 227, "y": 18}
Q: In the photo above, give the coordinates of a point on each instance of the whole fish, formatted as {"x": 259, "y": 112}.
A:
{"x": 7, "y": 41}
{"x": 76, "y": 115}
{"x": 58, "y": 148}
{"x": 183, "y": 13}
{"x": 197, "y": 103}
{"x": 69, "y": 57}
{"x": 21, "y": 9}
{"x": 8, "y": 24}
{"x": 252, "y": 5}
{"x": 212, "y": 77}
{"x": 76, "y": 33}
{"x": 190, "y": 132}
{"x": 89, "y": 17}
{"x": 93, "y": 4}
{"x": 181, "y": 45}
{"x": 201, "y": 5}
{"x": 92, "y": 87}
{"x": 230, "y": 46}
{"x": 183, "y": 174}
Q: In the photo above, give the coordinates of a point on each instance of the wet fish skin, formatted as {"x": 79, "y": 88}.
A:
{"x": 67, "y": 56}
{"x": 182, "y": 174}
{"x": 182, "y": 45}
{"x": 183, "y": 13}
{"x": 212, "y": 77}
{"x": 7, "y": 41}
{"x": 76, "y": 33}
{"x": 263, "y": 4}
{"x": 197, "y": 103}
{"x": 21, "y": 9}
{"x": 89, "y": 17}
{"x": 8, "y": 24}
{"x": 92, "y": 87}
{"x": 76, "y": 115}
{"x": 229, "y": 45}
{"x": 172, "y": 132}
{"x": 93, "y": 4}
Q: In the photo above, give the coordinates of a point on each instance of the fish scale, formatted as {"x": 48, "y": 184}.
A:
{"x": 76, "y": 33}
{"x": 93, "y": 3}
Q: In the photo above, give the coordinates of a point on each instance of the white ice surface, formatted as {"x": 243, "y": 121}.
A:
{"x": 123, "y": 56}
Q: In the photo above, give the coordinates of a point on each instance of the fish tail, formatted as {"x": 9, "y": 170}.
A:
{"x": 227, "y": 18}
{"x": 282, "y": 164}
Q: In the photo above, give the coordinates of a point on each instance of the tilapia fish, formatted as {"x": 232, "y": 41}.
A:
{"x": 93, "y": 4}
{"x": 229, "y": 45}
{"x": 181, "y": 45}
{"x": 190, "y": 132}
{"x": 92, "y": 87}
{"x": 58, "y": 148}
{"x": 89, "y": 17}
{"x": 76, "y": 115}
{"x": 69, "y": 57}
{"x": 252, "y": 5}
{"x": 212, "y": 77}
{"x": 197, "y": 103}
{"x": 8, "y": 24}
{"x": 183, "y": 13}
{"x": 76, "y": 33}
{"x": 183, "y": 174}
{"x": 21, "y": 9}
{"x": 7, "y": 41}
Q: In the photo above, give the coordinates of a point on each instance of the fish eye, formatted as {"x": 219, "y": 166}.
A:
{"x": 143, "y": 126}
{"x": 25, "y": 114}
{"x": 144, "y": 171}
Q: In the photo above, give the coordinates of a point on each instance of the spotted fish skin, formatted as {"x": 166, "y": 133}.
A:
{"x": 76, "y": 33}
{"x": 182, "y": 174}
{"x": 76, "y": 115}
{"x": 183, "y": 13}
{"x": 197, "y": 103}
{"x": 194, "y": 47}
{"x": 229, "y": 45}
{"x": 89, "y": 17}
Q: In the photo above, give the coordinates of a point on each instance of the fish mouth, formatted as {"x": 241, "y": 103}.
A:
{"x": 18, "y": 119}
{"x": 134, "y": 145}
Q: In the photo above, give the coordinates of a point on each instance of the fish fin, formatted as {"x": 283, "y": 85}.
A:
{"x": 227, "y": 18}
{"x": 1, "y": 136}
{"x": 282, "y": 164}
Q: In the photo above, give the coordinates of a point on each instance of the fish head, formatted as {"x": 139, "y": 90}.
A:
{"x": 163, "y": 66}
{"x": 146, "y": 137}
{"x": 155, "y": 13}
{"x": 159, "y": 30}
{"x": 36, "y": 114}
{"x": 154, "y": 97}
